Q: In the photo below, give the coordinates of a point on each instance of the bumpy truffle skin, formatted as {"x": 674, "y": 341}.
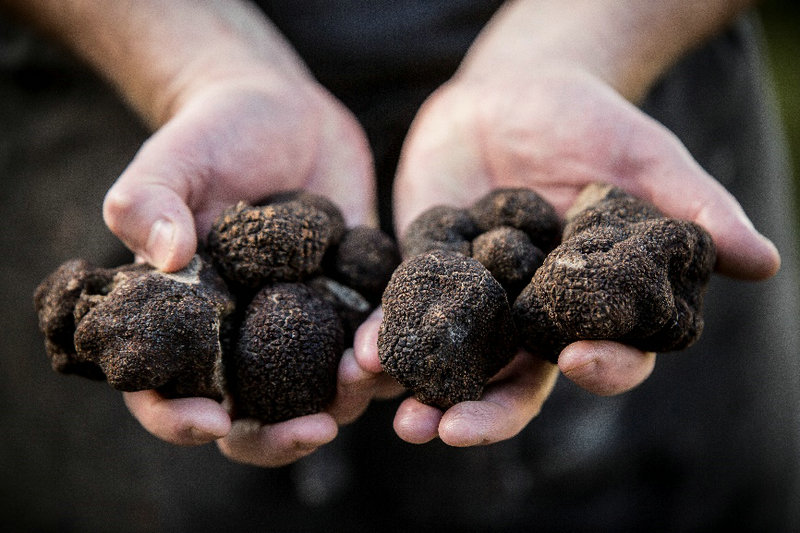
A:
{"x": 282, "y": 241}
{"x": 447, "y": 328}
{"x": 287, "y": 357}
{"x": 159, "y": 331}
{"x": 509, "y": 255}
{"x": 365, "y": 260}
{"x": 439, "y": 228}
{"x": 522, "y": 209}
{"x": 55, "y": 301}
{"x": 337, "y": 223}
{"x": 624, "y": 272}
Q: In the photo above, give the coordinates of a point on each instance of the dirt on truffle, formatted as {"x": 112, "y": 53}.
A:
{"x": 446, "y": 329}
{"x": 287, "y": 354}
{"x": 623, "y": 272}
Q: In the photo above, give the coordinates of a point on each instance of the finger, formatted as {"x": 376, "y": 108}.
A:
{"x": 365, "y": 343}
{"x": 147, "y": 210}
{"x": 274, "y": 445}
{"x": 356, "y": 388}
{"x": 182, "y": 421}
{"x": 507, "y": 405}
{"x": 605, "y": 368}
{"x": 416, "y": 422}
{"x": 682, "y": 189}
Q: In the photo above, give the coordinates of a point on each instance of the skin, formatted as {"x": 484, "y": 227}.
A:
{"x": 545, "y": 99}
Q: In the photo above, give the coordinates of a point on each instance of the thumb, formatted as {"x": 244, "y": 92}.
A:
{"x": 149, "y": 214}
{"x": 685, "y": 190}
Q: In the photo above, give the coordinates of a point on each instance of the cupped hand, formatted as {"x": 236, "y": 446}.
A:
{"x": 554, "y": 131}
{"x": 240, "y": 138}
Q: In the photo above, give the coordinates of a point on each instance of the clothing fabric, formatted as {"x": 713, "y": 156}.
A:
{"x": 709, "y": 441}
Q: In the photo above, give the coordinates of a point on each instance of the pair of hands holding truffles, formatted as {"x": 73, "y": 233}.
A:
{"x": 545, "y": 99}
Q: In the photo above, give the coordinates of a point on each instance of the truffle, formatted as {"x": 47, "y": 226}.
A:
{"x": 137, "y": 327}
{"x": 439, "y": 228}
{"x": 364, "y": 260}
{"x": 287, "y": 354}
{"x": 522, "y": 209}
{"x": 447, "y": 327}
{"x": 508, "y": 230}
{"x": 282, "y": 241}
{"x": 509, "y": 255}
{"x": 336, "y": 219}
{"x": 352, "y": 308}
{"x": 623, "y": 272}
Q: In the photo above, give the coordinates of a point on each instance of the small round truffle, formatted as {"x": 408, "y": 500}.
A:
{"x": 283, "y": 241}
{"x": 287, "y": 355}
{"x": 439, "y": 228}
{"x": 159, "y": 331}
{"x": 623, "y": 272}
{"x": 446, "y": 329}
{"x": 365, "y": 260}
{"x": 509, "y": 255}
{"x": 522, "y": 209}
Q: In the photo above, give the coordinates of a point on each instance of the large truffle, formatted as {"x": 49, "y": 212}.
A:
{"x": 137, "y": 327}
{"x": 287, "y": 354}
{"x": 281, "y": 241}
{"x": 623, "y": 272}
{"x": 446, "y": 329}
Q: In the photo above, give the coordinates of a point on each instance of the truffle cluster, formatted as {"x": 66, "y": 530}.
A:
{"x": 623, "y": 272}
{"x": 447, "y": 326}
{"x": 262, "y": 316}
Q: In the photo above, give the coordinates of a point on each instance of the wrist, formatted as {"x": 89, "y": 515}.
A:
{"x": 156, "y": 51}
{"x": 626, "y": 43}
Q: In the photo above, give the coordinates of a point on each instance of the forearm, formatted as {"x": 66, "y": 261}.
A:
{"x": 627, "y": 43}
{"x": 153, "y": 49}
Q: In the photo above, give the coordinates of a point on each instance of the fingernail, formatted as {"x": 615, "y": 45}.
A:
{"x": 201, "y": 436}
{"x": 160, "y": 242}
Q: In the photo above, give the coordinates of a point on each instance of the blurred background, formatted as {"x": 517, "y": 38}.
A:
{"x": 782, "y": 28}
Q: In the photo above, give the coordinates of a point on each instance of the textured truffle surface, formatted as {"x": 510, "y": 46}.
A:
{"x": 446, "y": 329}
{"x": 439, "y": 228}
{"x": 140, "y": 328}
{"x": 623, "y": 272}
{"x": 287, "y": 355}
{"x": 365, "y": 260}
{"x": 509, "y": 255}
{"x": 522, "y": 209}
{"x": 336, "y": 219}
{"x": 282, "y": 241}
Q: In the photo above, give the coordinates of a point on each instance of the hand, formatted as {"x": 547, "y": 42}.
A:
{"x": 554, "y": 131}
{"x": 239, "y": 139}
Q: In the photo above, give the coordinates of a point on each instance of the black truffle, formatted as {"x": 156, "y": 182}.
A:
{"x": 287, "y": 354}
{"x": 439, "y": 228}
{"x": 623, "y": 272}
{"x": 137, "y": 327}
{"x": 282, "y": 241}
{"x": 509, "y": 255}
{"x": 365, "y": 260}
{"x": 338, "y": 226}
{"x": 522, "y": 209}
{"x": 446, "y": 329}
